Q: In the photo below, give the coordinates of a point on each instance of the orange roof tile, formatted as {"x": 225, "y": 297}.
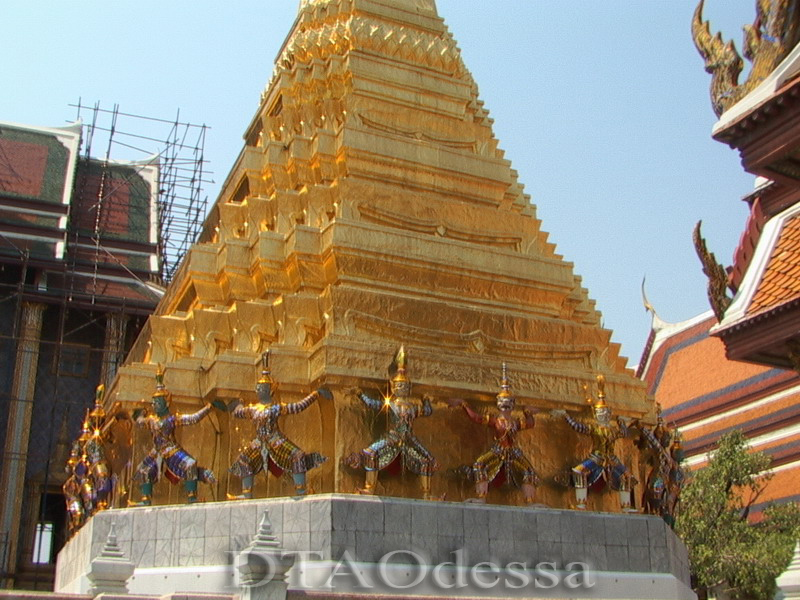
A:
{"x": 780, "y": 281}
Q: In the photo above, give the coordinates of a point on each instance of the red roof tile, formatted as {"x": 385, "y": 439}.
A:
{"x": 780, "y": 281}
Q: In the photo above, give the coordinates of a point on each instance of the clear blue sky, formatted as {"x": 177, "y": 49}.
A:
{"x": 602, "y": 107}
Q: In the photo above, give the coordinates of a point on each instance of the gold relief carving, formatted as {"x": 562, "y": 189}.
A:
{"x": 450, "y": 372}
{"x": 180, "y": 349}
{"x": 255, "y": 324}
{"x": 264, "y": 341}
{"x": 170, "y": 337}
{"x": 537, "y": 301}
{"x": 474, "y": 342}
{"x": 379, "y": 216}
{"x": 416, "y": 134}
{"x": 316, "y": 364}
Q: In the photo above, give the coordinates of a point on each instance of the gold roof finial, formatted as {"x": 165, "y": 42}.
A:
{"x": 770, "y": 39}
{"x": 717, "y": 275}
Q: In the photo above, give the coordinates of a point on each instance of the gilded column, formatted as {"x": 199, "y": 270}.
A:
{"x": 116, "y": 326}
{"x": 15, "y": 452}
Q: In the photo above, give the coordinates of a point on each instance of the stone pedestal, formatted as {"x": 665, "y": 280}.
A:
{"x": 192, "y": 549}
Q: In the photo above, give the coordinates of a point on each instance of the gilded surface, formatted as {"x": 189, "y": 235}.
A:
{"x": 773, "y": 34}
{"x": 371, "y": 208}
{"x": 716, "y": 274}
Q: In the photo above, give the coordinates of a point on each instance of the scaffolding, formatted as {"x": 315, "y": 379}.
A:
{"x": 84, "y": 329}
{"x": 177, "y": 147}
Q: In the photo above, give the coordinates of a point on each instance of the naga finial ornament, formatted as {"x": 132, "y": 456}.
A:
{"x": 773, "y": 34}
{"x": 717, "y": 276}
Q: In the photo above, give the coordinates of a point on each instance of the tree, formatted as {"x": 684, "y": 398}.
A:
{"x": 726, "y": 552}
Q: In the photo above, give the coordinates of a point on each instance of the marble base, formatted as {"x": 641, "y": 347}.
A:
{"x": 191, "y": 548}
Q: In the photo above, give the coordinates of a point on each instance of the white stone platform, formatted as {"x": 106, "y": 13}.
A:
{"x": 190, "y": 548}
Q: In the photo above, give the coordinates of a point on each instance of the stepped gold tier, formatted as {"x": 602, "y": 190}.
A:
{"x": 372, "y": 207}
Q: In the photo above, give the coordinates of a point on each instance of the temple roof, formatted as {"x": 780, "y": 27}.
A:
{"x": 705, "y": 394}
{"x": 779, "y": 281}
{"x": 785, "y": 72}
{"x": 773, "y": 276}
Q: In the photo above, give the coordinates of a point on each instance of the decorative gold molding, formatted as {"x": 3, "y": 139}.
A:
{"x": 417, "y": 134}
{"x": 475, "y": 342}
{"x": 392, "y": 219}
{"x": 323, "y": 40}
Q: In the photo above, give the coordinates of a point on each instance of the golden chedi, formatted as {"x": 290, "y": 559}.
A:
{"x": 372, "y": 208}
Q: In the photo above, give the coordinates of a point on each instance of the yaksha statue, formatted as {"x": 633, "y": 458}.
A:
{"x": 72, "y": 492}
{"x": 504, "y": 454}
{"x": 662, "y": 450}
{"x": 271, "y": 450}
{"x": 602, "y": 464}
{"x": 94, "y": 449}
{"x": 399, "y": 442}
{"x": 82, "y": 470}
{"x": 166, "y": 454}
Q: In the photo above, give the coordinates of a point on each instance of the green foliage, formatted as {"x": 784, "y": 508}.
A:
{"x": 725, "y": 551}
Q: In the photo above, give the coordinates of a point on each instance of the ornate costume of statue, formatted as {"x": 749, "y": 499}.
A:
{"x": 504, "y": 453}
{"x": 83, "y": 471}
{"x": 663, "y": 452}
{"x": 271, "y": 450}
{"x": 166, "y": 454}
{"x": 72, "y": 492}
{"x": 602, "y": 462}
{"x": 399, "y": 442}
{"x": 94, "y": 450}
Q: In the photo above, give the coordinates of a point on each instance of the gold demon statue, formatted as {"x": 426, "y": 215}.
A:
{"x": 505, "y": 459}
{"x": 602, "y": 465}
{"x": 271, "y": 450}
{"x": 399, "y": 441}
